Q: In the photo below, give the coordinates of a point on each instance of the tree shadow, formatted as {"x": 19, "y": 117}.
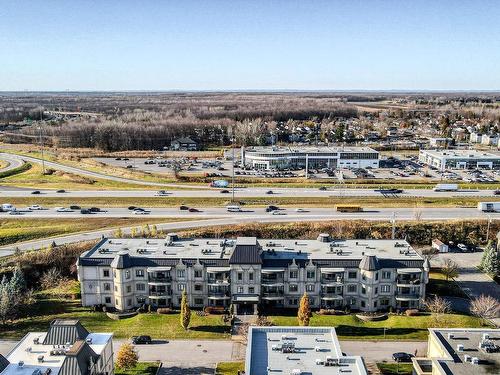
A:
{"x": 186, "y": 371}
{"x": 212, "y": 329}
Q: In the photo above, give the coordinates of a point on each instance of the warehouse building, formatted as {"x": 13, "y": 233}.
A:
{"x": 298, "y": 350}
{"x": 366, "y": 275}
{"x": 294, "y": 158}
{"x": 459, "y": 159}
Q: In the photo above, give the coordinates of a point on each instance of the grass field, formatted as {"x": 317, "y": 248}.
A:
{"x": 16, "y": 230}
{"x": 142, "y": 368}
{"x": 229, "y": 368}
{"x": 397, "y": 327}
{"x": 395, "y": 369}
{"x": 365, "y": 202}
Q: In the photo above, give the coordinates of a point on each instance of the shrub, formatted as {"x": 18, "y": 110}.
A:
{"x": 412, "y": 312}
{"x": 214, "y": 310}
{"x": 164, "y": 310}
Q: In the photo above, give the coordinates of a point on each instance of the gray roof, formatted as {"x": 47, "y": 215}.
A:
{"x": 78, "y": 359}
{"x": 369, "y": 263}
{"x": 4, "y": 362}
{"x": 63, "y": 331}
{"x": 121, "y": 260}
{"x": 245, "y": 254}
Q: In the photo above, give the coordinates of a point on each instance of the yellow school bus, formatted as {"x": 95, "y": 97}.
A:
{"x": 348, "y": 208}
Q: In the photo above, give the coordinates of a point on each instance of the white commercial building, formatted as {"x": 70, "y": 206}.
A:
{"x": 308, "y": 157}
{"x": 298, "y": 351}
{"x": 459, "y": 159}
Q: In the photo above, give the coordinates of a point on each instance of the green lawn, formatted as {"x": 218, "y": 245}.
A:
{"x": 157, "y": 326}
{"x": 398, "y": 327}
{"x": 142, "y": 368}
{"x": 394, "y": 368}
{"x": 229, "y": 368}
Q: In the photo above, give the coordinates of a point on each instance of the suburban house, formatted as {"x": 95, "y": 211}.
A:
{"x": 366, "y": 275}
{"x": 183, "y": 144}
{"x": 439, "y": 246}
{"x": 67, "y": 348}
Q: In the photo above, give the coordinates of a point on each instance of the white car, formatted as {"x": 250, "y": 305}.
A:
{"x": 277, "y": 212}
{"x": 63, "y": 209}
{"x": 162, "y": 193}
{"x": 35, "y": 207}
{"x": 141, "y": 212}
{"x": 301, "y": 210}
{"x": 15, "y": 212}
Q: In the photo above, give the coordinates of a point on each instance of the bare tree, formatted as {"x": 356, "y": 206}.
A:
{"x": 449, "y": 269}
{"x": 437, "y": 305}
{"x": 485, "y": 307}
{"x": 430, "y": 253}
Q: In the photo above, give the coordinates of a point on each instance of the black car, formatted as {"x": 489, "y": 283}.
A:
{"x": 402, "y": 357}
{"x": 322, "y": 188}
{"x": 141, "y": 340}
{"x": 269, "y": 192}
{"x": 94, "y": 209}
{"x": 61, "y": 191}
{"x": 224, "y": 191}
{"x": 35, "y": 192}
{"x": 131, "y": 208}
{"x": 272, "y": 208}
{"x": 74, "y": 207}
{"x": 184, "y": 208}
{"x": 85, "y": 211}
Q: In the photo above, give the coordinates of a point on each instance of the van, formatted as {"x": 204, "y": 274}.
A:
{"x": 233, "y": 208}
{"x": 8, "y": 207}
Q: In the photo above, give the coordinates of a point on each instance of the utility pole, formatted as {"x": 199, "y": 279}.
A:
{"x": 232, "y": 171}
{"x": 393, "y": 222}
{"x": 41, "y": 141}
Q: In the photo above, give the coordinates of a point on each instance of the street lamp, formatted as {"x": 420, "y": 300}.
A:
{"x": 393, "y": 222}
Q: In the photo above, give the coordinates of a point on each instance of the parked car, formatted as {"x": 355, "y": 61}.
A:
{"x": 132, "y": 208}
{"x": 322, "y": 188}
{"x": 140, "y": 212}
{"x": 278, "y": 213}
{"x": 137, "y": 340}
{"x": 269, "y": 192}
{"x": 402, "y": 357}
{"x": 301, "y": 210}
{"x": 85, "y": 211}
{"x": 15, "y": 212}
{"x": 95, "y": 209}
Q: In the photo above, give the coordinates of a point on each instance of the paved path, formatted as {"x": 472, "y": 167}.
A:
{"x": 12, "y": 162}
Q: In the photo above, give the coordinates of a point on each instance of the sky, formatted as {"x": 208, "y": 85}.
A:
{"x": 56, "y": 45}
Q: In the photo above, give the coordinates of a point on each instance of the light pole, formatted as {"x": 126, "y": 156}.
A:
{"x": 232, "y": 170}
{"x": 393, "y": 222}
{"x": 488, "y": 229}
{"x": 41, "y": 148}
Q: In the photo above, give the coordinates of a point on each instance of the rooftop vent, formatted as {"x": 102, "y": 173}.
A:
{"x": 20, "y": 364}
{"x": 40, "y": 358}
{"x": 466, "y": 358}
{"x": 475, "y": 360}
{"x": 460, "y": 347}
{"x": 450, "y": 336}
{"x": 172, "y": 237}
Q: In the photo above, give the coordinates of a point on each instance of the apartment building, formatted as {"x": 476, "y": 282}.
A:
{"x": 366, "y": 275}
{"x": 67, "y": 348}
{"x": 298, "y": 350}
{"x": 460, "y": 351}
{"x": 307, "y": 157}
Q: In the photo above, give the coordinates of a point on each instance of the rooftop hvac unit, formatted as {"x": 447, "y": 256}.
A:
{"x": 40, "y": 358}
{"x": 475, "y": 360}
{"x": 466, "y": 358}
{"x": 460, "y": 347}
{"x": 486, "y": 336}
{"x": 20, "y": 364}
{"x": 296, "y": 371}
{"x": 317, "y": 348}
{"x": 450, "y": 336}
{"x": 319, "y": 361}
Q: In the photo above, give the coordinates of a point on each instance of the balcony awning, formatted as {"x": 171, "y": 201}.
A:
{"x": 272, "y": 270}
{"x": 160, "y": 297}
{"x": 332, "y": 298}
{"x": 157, "y": 282}
{"x": 159, "y": 269}
{"x": 273, "y": 298}
{"x": 218, "y": 297}
{"x": 218, "y": 269}
{"x": 331, "y": 270}
{"x": 408, "y": 270}
{"x": 409, "y": 297}
{"x": 272, "y": 284}
{"x": 246, "y": 298}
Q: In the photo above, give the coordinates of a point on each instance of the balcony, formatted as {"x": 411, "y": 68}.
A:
{"x": 273, "y": 296}
{"x": 334, "y": 281}
{"x": 407, "y": 297}
{"x": 331, "y": 297}
{"x": 214, "y": 281}
{"x": 272, "y": 281}
{"x": 408, "y": 281}
{"x": 159, "y": 280}
{"x": 165, "y": 294}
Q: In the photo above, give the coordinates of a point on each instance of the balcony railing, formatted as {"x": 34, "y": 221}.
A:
{"x": 408, "y": 281}
{"x": 332, "y": 280}
{"x": 160, "y": 279}
{"x": 166, "y": 293}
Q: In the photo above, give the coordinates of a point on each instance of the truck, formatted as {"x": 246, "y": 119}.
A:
{"x": 348, "y": 208}
{"x": 8, "y": 207}
{"x": 446, "y": 187}
{"x": 219, "y": 184}
{"x": 489, "y": 206}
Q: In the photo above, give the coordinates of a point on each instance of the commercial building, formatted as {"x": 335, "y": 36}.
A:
{"x": 298, "y": 350}
{"x": 67, "y": 348}
{"x": 183, "y": 144}
{"x": 459, "y": 159}
{"x": 460, "y": 351}
{"x": 366, "y": 275}
{"x": 295, "y": 158}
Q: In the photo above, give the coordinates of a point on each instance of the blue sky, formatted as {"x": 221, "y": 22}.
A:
{"x": 231, "y": 45}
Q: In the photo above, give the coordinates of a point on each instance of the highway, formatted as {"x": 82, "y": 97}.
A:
{"x": 254, "y": 192}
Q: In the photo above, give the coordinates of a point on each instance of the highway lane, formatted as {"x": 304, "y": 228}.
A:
{"x": 218, "y": 216}
{"x": 252, "y": 192}
{"x": 258, "y": 213}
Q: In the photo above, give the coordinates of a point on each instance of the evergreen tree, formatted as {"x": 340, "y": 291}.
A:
{"x": 17, "y": 284}
{"x": 490, "y": 263}
{"x": 185, "y": 311}
{"x": 304, "y": 313}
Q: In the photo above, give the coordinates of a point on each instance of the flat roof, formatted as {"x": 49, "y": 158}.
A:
{"x": 454, "y": 360}
{"x": 461, "y": 154}
{"x": 28, "y": 351}
{"x": 308, "y": 149}
{"x": 309, "y": 349}
{"x": 216, "y": 252}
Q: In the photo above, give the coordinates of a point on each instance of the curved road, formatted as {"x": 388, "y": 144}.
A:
{"x": 12, "y": 160}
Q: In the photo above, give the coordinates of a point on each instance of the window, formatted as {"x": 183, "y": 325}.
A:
{"x": 353, "y": 288}
{"x": 310, "y": 287}
{"x": 352, "y": 302}
{"x": 363, "y": 289}
{"x": 311, "y": 274}
{"x": 114, "y": 274}
{"x": 376, "y": 290}
{"x": 141, "y": 300}
{"x": 129, "y": 302}
{"x": 293, "y": 301}
{"x": 250, "y": 276}
{"x": 293, "y": 288}
{"x": 363, "y": 276}
{"x": 105, "y": 273}
{"x": 251, "y": 289}
{"x": 240, "y": 289}
{"x": 311, "y": 301}
{"x": 385, "y": 288}
{"x": 127, "y": 274}
{"x": 240, "y": 276}
{"x": 107, "y": 286}
{"x": 294, "y": 274}
{"x": 181, "y": 287}
{"x": 181, "y": 274}
{"x": 384, "y": 302}
{"x": 117, "y": 302}
{"x": 363, "y": 303}
{"x": 352, "y": 275}
{"x": 198, "y": 287}
{"x": 139, "y": 273}
{"x": 198, "y": 301}
{"x": 140, "y": 287}
{"x": 386, "y": 275}
{"x": 116, "y": 288}
{"x": 129, "y": 289}
{"x": 198, "y": 274}
{"x": 375, "y": 304}
{"x": 376, "y": 276}
{"x": 107, "y": 300}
